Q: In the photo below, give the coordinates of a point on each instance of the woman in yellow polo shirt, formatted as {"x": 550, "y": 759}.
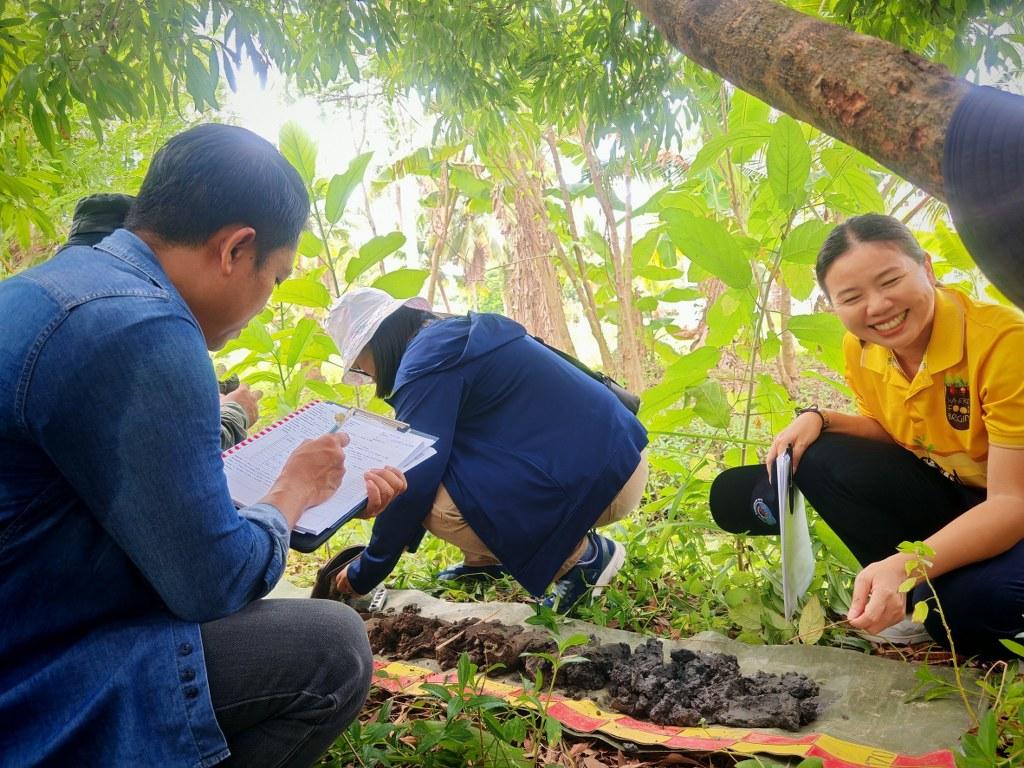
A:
{"x": 934, "y": 453}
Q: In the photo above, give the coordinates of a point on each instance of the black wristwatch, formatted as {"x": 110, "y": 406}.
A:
{"x": 825, "y": 423}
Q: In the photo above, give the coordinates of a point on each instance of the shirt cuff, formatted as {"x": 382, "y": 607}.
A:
{"x": 367, "y": 571}
{"x": 269, "y": 518}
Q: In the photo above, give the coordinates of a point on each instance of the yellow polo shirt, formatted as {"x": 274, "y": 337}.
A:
{"x": 967, "y": 395}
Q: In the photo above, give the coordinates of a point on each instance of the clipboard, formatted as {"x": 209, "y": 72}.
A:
{"x": 794, "y": 535}
{"x": 252, "y": 466}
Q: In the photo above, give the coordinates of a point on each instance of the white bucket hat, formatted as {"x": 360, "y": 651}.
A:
{"x": 355, "y": 317}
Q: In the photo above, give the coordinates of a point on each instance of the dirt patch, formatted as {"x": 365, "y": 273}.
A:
{"x": 690, "y": 689}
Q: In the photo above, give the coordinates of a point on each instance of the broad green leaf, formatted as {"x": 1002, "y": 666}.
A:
{"x": 373, "y": 251}
{"x": 745, "y": 139}
{"x": 920, "y": 612}
{"x": 1014, "y": 646}
{"x": 299, "y": 149}
{"x": 656, "y": 273}
{"x": 342, "y": 185}
{"x": 470, "y": 185}
{"x": 799, "y": 278}
{"x": 951, "y": 248}
{"x": 727, "y": 315}
{"x": 835, "y": 546}
{"x": 310, "y": 245}
{"x": 41, "y": 126}
{"x": 802, "y": 244}
{"x": 849, "y": 186}
{"x": 744, "y": 109}
{"x": 303, "y": 291}
{"x": 322, "y": 389}
{"x": 402, "y": 283}
{"x": 711, "y": 404}
{"x": 708, "y": 244}
{"x": 687, "y": 371}
{"x": 256, "y": 337}
{"x": 644, "y": 248}
{"x": 673, "y": 295}
{"x": 822, "y": 333}
{"x": 789, "y": 163}
{"x": 299, "y": 340}
{"x": 812, "y": 621}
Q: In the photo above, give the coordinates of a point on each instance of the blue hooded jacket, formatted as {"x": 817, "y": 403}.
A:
{"x": 531, "y": 449}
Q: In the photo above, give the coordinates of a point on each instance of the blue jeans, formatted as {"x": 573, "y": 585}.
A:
{"x": 286, "y": 678}
{"x": 876, "y": 495}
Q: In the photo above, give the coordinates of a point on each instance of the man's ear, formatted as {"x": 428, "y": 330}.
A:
{"x": 233, "y": 244}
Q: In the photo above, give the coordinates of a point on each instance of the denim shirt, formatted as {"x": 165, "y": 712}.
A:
{"x": 117, "y": 533}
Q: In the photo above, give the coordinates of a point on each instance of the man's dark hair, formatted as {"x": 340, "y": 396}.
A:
{"x": 869, "y": 228}
{"x": 214, "y": 175}
{"x": 389, "y": 342}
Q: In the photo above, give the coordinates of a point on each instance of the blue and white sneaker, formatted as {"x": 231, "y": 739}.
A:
{"x": 594, "y": 571}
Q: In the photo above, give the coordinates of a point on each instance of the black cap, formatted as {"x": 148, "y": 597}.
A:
{"x": 983, "y": 175}
{"x": 98, "y": 215}
{"x": 743, "y": 500}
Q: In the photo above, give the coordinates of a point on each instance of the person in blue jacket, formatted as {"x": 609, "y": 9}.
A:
{"x": 531, "y": 453}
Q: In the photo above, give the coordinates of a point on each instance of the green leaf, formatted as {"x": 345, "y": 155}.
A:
{"x": 822, "y": 332}
{"x": 656, "y": 273}
{"x": 746, "y": 140}
{"x": 711, "y": 404}
{"x": 789, "y": 163}
{"x": 302, "y": 291}
{"x": 709, "y": 245}
{"x": 373, "y": 251}
{"x": 687, "y": 371}
{"x": 256, "y": 337}
{"x": 920, "y": 609}
{"x": 300, "y": 340}
{"x": 470, "y": 185}
{"x": 802, "y": 244}
{"x": 402, "y": 283}
{"x": 552, "y": 731}
{"x": 812, "y": 621}
{"x": 299, "y": 150}
{"x": 1014, "y": 646}
{"x": 799, "y": 278}
{"x": 673, "y": 295}
{"x": 41, "y": 126}
{"x": 310, "y": 245}
{"x": 322, "y": 389}
{"x": 744, "y": 109}
{"x": 342, "y": 185}
{"x": 849, "y": 187}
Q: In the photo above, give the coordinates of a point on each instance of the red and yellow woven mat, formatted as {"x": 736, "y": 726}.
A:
{"x": 583, "y": 716}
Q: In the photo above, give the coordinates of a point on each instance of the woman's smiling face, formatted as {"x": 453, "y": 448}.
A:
{"x": 884, "y": 297}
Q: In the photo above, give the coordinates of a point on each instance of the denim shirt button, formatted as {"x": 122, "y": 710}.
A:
{"x": 191, "y": 692}
{"x": 188, "y": 675}
{"x": 185, "y": 649}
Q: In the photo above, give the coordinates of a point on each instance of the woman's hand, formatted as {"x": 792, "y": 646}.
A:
{"x": 382, "y": 486}
{"x": 341, "y": 583}
{"x": 801, "y": 432}
{"x": 877, "y": 601}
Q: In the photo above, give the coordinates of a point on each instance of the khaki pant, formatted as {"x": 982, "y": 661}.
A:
{"x": 446, "y": 522}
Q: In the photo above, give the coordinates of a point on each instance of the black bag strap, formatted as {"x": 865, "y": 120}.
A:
{"x": 627, "y": 398}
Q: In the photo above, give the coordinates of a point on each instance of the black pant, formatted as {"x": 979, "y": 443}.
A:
{"x": 286, "y": 678}
{"x": 875, "y": 496}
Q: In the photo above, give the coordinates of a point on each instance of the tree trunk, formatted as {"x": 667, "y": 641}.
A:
{"x": 532, "y": 292}
{"x": 630, "y": 338}
{"x": 883, "y": 100}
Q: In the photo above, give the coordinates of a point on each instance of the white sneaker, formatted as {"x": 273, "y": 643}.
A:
{"x": 905, "y": 632}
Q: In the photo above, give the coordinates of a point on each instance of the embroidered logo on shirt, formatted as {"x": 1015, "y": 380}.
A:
{"x": 958, "y": 403}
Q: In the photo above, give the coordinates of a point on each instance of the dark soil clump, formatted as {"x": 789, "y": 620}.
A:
{"x": 691, "y": 689}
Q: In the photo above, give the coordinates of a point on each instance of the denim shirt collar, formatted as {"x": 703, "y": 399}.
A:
{"x": 129, "y": 247}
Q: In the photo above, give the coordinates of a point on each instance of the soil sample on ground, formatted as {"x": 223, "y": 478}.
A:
{"x": 690, "y": 689}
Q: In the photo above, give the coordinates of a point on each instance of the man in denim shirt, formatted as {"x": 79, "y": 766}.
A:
{"x": 132, "y": 632}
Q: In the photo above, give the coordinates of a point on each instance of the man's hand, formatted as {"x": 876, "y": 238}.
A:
{"x": 877, "y": 602}
{"x": 382, "y": 486}
{"x": 341, "y": 583}
{"x": 310, "y": 476}
{"x": 249, "y": 399}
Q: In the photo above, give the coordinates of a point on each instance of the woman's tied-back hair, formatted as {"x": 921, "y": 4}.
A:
{"x": 214, "y": 175}
{"x": 389, "y": 342}
{"x": 869, "y": 228}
